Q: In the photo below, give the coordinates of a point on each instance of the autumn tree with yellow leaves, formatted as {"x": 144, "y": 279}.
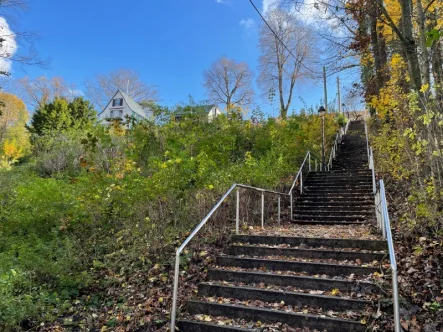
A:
{"x": 14, "y": 138}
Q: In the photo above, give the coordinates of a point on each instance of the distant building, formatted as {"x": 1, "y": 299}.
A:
{"x": 120, "y": 106}
{"x": 207, "y": 112}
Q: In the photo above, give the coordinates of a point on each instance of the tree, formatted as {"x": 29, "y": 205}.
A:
{"x": 278, "y": 67}
{"x": 42, "y": 90}
{"x": 228, "y": 82}
{"x": 102, "y": 87}
{"x": 61, "y": 115}
{"x": 14, "y": 139}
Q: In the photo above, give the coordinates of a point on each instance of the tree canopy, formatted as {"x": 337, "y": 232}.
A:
{"x": 61, "y": 114}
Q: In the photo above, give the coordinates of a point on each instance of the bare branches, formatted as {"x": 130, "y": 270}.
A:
{"x": 42, "y": 90}
{"x": 228, "y": 82}
{"x": 102, "y": 87}
{"x": 287, "y": 50}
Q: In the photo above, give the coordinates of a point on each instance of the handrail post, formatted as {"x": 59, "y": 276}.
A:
{"x": 279, "y": 210}
{"x": 396, "y": 300}
{"x": 316, "y": 165}
{"x": 262, "y": 209}
{"x": 301, "y": 182}
{"x": 237, "y": 214}
{"x": 174, "y": 296}
{"x": 309, "y": 161}
{"x": 291, "y": 203}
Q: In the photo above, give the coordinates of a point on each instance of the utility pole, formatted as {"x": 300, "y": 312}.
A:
{"x": 338, "y": 89}
{"x": 324, "y": 86}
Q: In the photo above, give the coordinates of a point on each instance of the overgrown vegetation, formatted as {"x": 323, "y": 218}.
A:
{"x": 96, "y": 199}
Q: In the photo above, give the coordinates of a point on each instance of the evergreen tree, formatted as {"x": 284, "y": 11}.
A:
{"x": 60, "y": 115}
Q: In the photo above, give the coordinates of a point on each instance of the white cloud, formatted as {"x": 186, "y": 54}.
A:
{"x": 270, "y": 5}
{"x": 221, "y": 1}
{"x": 316, "y": 14}
{"x": 247, "y": 23}
{"x": 8, "y": 46}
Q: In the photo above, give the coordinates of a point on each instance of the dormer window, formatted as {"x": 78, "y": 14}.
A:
{"x": 117, "y": 102}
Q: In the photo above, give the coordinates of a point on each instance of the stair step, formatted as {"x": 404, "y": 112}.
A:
{"x": 338, "y": 207}
{"x": 334, "y": 184}
{"x": 331, "y": 212}
{"x": 290, "y": 298}
{"x": 274, "y": 316}
{"x": 311, "y": 268}
{"x": 334, "y": 203}
{"x": 357, "y": 171}
{"x": 336, "y": 223}
{"x": 309, "y": 217}
{"x": 303, "y": 282}
{"x": 311, "y": 242}
{"x": 367, "y": 195}
{"x": 196, "y": 326}
{"x": 334, "y": 198}
{"x": 250, "y": 250}
{"x": 336, "y": 191}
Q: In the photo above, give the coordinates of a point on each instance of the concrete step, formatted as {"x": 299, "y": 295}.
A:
{"x": 331, "y": 212}
{"x": 355, "y": 172}
{"x": 319, "y": 202}
{"x": 302, "y": 282}
{"x": 345, "y": 218}
{"x": 275, "y": 316}
{"x": 338, "y": 223}
{"x": 284, "y": 265}
{"x": 344, "y": 196}
{"x": 250, "y": 250}
{"x": 338, "y": 191}
{"x": 197, "y": 326}
{"x": 337, "y": 208}
{"x": 334, "y": 183}
{"x": 312, "y": 242}
{"x": 290, "y": 298}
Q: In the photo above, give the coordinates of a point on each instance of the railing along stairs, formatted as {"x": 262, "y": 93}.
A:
{"x": 305, "y": 167}
{"x": 384, "y": 225}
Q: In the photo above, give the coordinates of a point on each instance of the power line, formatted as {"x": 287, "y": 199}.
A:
{"x": 278, "y": 38}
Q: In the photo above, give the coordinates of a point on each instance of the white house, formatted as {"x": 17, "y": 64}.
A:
{"x": 121, "y": 105}
{"x": 209, "y": 112}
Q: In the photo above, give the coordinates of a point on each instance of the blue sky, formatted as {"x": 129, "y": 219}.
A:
{"x": 169, "y": 42}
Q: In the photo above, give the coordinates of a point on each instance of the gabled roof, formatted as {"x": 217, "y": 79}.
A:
{"x": 133, "y": 106}
{"x": 201, "y": 109}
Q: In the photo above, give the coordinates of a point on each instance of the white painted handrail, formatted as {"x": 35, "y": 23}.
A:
{"x": 203, "y": 223}
{"x": 338, "y": 139}
{"x": 308, "y": 159}
{"x": 384, "y": 224}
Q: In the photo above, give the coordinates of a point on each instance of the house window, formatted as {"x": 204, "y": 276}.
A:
{"x": 117, "y": 114}
{"x": 117, "y": 102}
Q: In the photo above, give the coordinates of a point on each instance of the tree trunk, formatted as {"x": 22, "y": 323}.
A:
{"x": 437, "y": 71}
{"x": 421, "y": 19}
{"x": 409, "y": 45}
{"x": 383, "y": 57}
{"x": 375, "y": 46}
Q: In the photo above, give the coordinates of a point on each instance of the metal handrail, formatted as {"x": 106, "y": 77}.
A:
{"x": 338, "y": 139}
{"x": 386, "y": 229}
{"x": 371, "y": 163}
{"x": 384, "y": 224}
{"x": 308, "y": 157}
{"x": 333, "y": 151}
{"x": 204, "y": 221}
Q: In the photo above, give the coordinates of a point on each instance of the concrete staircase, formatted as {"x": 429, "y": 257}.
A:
{"x": 313, "y": 274}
